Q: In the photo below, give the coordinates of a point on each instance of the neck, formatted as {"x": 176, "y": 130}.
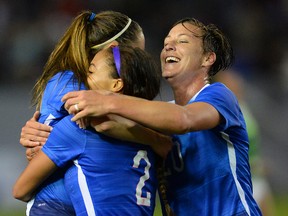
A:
{"x": 183, "y": 94}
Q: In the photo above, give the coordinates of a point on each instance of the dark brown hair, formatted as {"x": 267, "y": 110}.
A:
{"x": 213, "y": 40}
{"x": 140, "y": 74}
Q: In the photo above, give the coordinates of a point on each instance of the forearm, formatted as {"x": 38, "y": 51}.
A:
{"x": 124, "y": 129}
{"x": 33, "y": 176}
{"x": 160, "y": 143}
{"x": 160, "y": 116}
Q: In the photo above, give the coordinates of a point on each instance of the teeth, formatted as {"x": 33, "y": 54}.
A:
{"x": 172, "y": 59}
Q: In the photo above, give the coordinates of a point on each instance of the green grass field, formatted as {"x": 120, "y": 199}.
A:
{"x": 280, "y": 202}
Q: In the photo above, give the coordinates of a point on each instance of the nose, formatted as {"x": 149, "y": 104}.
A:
{"x": 169, "y": 46}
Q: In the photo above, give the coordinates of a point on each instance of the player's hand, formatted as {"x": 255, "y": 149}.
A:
{"x": 32, "y": 152}
{"x": 34, "y": 133}
{"x": 86, "y": 103}
{"x": 113, "y": 126}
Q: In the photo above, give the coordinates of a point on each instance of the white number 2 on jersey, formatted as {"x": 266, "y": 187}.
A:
{"x": 141, "y": 154}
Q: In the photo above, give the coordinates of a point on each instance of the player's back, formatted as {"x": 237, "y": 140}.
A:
{"x": 112, "y": 177}
{"x": 52, "y": 196}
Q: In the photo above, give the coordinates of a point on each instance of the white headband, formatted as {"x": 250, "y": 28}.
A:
{"x": 115, "y": 37}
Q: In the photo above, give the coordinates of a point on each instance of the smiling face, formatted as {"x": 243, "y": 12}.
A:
{"x": 182, "y": 55}
{"x": 100, "y": 73}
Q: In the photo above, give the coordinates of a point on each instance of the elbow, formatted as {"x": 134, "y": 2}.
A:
{"x": 188, "y": 122}
{"x": 20, "y": 195}
{"x": 183, "y": 125}
{"x": 183, "y": 129}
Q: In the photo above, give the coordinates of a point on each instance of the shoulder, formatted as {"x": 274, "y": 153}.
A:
{"x": 60, "y": 84}
{"x": 60, "y": 80}
{"x": 218, "y": 88}
{"x": 217, "y": 92}
{"x": 66, "y": 133}
{"x": 66, "y": 126}
{"x": 62, "y": 75}
{"x": 221, "y": 98}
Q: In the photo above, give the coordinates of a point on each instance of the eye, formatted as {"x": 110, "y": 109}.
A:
{"x": 165, "y": 43}
{"x": 90, "y": 72}
{"x": 182, "y": 41}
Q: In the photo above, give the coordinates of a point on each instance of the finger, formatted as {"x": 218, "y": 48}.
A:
{"x": 28, "y": 143}
{"x": 80, "y": 124}
{"x": 78, "y": 116}
{"x": 29, "y": 154}
{"x": 32, "y": 124}
{"x": 104, "y": 126}
{"x": 36, "y": 115}
{"x": 30, "y": 140}
{"x": 76, "y": 107}
{"x": 70, "y": 105}
{"x": 32, "y": 152}
{"x": 70, "y": 95}
{"x": 34, "y": 134}
{"x": 37, "y": 149}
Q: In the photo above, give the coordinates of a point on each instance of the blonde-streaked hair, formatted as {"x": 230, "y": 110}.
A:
{"x": 73, "y": 51}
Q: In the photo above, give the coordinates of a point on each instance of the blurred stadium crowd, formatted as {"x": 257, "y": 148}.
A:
{"x": 258, "y": 30}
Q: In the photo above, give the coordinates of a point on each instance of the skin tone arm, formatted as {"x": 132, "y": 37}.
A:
{"x": 117, "y": 127}
{"x": 39, "y": 169}
{"x": 164, "y": 117}
{"x": 125, "y": 129}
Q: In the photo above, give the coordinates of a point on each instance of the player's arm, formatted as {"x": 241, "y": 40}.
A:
{"x": 161, "y": 116}
{"x": 39, "y": 169}
{"x": 125, "y": 129}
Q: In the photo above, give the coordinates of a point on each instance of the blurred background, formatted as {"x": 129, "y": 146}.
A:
{"x": 29, "y": 29}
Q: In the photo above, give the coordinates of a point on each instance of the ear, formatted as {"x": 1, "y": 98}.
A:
{"x": 112, "y": 44}
{"x": 117, "y": 85}
{"x": 209, "y": 59}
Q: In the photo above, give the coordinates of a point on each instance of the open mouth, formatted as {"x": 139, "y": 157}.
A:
{"x": 172, "y": 59}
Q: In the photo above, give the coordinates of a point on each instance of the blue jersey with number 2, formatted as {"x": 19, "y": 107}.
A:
{"x": 108, "y": 176}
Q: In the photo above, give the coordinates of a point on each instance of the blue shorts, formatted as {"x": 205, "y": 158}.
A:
{"x": 51, "y": 208}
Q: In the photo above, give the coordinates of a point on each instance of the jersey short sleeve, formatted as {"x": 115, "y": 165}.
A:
{"x": 57, "y": 87}
{"x": 65, "y": 143}
{"x": 224, "y": 101}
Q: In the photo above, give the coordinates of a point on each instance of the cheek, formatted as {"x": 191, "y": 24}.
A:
{"x": 92, "y": 82}
{"x": 162, "y": 57}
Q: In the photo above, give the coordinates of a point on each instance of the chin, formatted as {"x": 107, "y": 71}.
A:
{"x": 166, "y": 75}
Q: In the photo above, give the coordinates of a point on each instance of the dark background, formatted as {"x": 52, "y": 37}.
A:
{"x": 258, "y": 30}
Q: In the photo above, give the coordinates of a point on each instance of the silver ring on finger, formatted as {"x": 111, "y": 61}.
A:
{"x": 76, "y": 107}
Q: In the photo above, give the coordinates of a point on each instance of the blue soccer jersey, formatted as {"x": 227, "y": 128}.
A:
{"x": 52, "y": 109}
{"x": 108, "y": 176}
{"x": 208, "y": 171}
{"x": 51, "y": 198}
